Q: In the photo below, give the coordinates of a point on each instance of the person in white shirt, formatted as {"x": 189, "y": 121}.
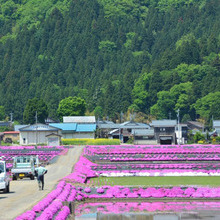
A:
{"x": 40, "y": 171}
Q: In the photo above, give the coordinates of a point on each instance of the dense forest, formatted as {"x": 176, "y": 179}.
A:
{"x": 148, "y": 57}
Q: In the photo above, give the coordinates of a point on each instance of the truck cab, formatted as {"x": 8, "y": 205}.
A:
{"x": 24, "y": 166}
{"x": 4, "y": 177}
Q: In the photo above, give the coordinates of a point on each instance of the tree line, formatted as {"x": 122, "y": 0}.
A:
{"x": 150, "y": 57}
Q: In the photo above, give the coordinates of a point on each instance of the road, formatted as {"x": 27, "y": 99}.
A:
{"x": 24, "y": 194}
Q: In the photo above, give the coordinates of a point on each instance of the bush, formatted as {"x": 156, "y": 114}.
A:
{"x": 100, "y": 141}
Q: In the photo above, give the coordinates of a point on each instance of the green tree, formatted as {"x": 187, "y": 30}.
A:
{"x": 2, "y": 113}
{"x": 198, "y": 137}
{"x": 208, "y": 106}
{"x": 71, "y": 106}
{"x": 164, "y": 105}
{"x": 98, "y": 111}
{"x": 35, "y": 105}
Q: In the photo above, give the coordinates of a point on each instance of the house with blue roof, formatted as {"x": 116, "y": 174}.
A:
{"x": 76, "y": 130}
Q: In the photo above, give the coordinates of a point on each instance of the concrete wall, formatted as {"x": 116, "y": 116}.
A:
{"x": 79, "y": 135}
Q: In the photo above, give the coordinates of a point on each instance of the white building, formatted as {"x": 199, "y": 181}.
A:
{"x": 79, "y": 119}
{"x": 38, "y": 134}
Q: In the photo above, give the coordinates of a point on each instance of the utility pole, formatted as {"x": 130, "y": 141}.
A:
{"x": 36, "y": 128}
{"x": 11, "y": 117}
{"x": 170, "y": 115}
{"x": 178, "y": 118}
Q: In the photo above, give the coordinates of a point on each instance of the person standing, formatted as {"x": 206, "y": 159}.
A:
{"x": 40, "y": 172}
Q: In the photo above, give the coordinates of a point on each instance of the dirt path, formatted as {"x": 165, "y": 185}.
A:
{"x": 24, "y": 194}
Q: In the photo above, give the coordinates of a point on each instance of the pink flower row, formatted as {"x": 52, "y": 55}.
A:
{"x": 118, "y": 149}
{"x": 151, "y": 192}
{"x": 52, "y": 206}
{"x": 122, "y": 207}
{"x": 156, "y": 166}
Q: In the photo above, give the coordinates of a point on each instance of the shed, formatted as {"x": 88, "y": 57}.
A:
{"x": 36, "y": 134}
{"x": 53, "y": 139}
{"x": 13, "y": 135}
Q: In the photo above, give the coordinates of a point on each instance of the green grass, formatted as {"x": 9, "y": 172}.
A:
{"x": 158, "y": 181}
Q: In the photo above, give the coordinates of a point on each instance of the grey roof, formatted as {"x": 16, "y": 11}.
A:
{"x": 164, "y": 123}
{"x": 39, "y": 127}
{"x": 79, "y": 119}
{"x": 195, "y": 124}
{"x": 143, "y": 132}
{"x": 53, "y": 134}
{"x": 126, "y": 125}
{"x": 5, "y": 123}
{"x": 216, "y": 123}
{"x": 17, "y": 127}
{"x": 132, "y": 125}
{"x": 107, "y": 125}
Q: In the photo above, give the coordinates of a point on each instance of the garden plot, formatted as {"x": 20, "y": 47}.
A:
{"x": 78, "y": 186}
{"x": 45, "y": 153}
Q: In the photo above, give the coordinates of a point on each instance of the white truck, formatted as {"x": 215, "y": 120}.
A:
{"x": 24, "y": 166}
{"x": 4, "y": 177}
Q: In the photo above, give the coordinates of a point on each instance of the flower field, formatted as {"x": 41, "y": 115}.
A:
{"x": 96, "y": 161}
{"x": 156, "y": 206}
{"x": 45, "y": 153}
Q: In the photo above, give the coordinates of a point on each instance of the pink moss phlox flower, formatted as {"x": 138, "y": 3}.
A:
{"x": 29, "y": 215}
{"x": 63, "y": 214}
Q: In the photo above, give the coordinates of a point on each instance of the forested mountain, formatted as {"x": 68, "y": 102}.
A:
{"x": 149, "y": 56}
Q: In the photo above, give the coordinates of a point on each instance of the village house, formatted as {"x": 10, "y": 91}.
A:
{"x": 38, "y": 134}
{"x": 164, "y": 131}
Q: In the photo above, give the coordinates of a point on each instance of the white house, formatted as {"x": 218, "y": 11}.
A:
{"x": 38, "y": 134}
{"x": 216, "y": 126}
{"x": 75, "y": 130}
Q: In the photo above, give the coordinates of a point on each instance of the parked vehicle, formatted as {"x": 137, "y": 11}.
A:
{"x": 4, "y": 177}
{"x": 24, "y": 166}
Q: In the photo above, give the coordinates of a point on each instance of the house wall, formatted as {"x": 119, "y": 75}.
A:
{"x": 145, "y": 142}
{"x": 89, "y": 135}
{"x": 53, "y": 141}
{"x": 14, "y": 137}
{"x": 164, "y": 131}
{"x": 31, "y": 137}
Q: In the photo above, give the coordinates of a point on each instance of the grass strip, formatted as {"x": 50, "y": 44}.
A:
{"x": 158, "y": 181}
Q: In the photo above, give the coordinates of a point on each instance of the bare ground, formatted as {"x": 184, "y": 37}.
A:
{"x": 24, "y": 194}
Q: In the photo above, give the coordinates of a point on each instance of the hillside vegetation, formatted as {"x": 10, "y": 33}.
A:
{"x": 150, "y": 57}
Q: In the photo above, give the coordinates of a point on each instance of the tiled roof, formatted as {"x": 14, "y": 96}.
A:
{"x": 11, "y": 132}
{"x": 38, "y": 127}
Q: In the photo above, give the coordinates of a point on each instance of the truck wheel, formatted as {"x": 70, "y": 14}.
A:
{"x": 32, "y": 177}
{"x": 6, "y": 190}
{"x": 14, "y": 178}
